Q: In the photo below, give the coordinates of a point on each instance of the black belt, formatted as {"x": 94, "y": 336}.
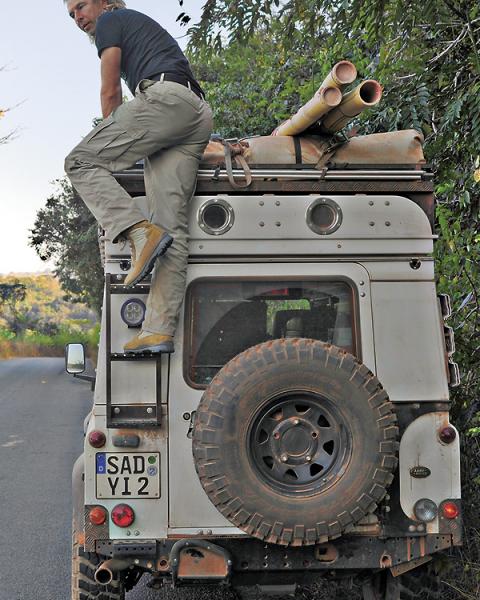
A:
{"x": 178, "y": 79}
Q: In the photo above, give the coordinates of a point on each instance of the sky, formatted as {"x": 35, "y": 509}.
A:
{"x": 51, "y": 80}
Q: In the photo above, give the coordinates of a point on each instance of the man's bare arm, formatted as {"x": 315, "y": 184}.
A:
{"x": 111, "y": 91}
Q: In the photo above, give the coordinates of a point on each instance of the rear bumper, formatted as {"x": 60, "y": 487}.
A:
{"x": 249, "y": 561}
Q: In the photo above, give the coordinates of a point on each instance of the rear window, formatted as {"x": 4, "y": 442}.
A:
{"x": 226, "y": 317}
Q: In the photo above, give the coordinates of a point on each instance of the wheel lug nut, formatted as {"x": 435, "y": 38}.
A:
{"x": 296, "y": 422}
{"x": 309, "y": 458}
{"x": 276, "y": 435}
{"x": 284, "y": 458}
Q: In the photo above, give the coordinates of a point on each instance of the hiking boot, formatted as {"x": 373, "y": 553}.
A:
{"x": 150, "y": 342}
{"x": 147, "y": 242}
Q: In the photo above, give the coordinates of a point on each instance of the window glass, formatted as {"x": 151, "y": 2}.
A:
{"x": 224, "y": 318}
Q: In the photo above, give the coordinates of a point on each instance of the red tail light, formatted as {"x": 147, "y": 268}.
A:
{"x": 97, "y": 439}
{"x": 450, "y": 510}
{"x": 447, "y": 435}
{"x": 98, "y": 515}
{"x": 123, "y": 515}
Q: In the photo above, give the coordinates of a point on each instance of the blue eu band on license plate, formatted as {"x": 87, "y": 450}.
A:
{"x": 101, "y": 463}
{"x": 125, "y": 475}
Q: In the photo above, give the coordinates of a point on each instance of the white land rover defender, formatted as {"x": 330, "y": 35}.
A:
{"x": 301, "y": 428}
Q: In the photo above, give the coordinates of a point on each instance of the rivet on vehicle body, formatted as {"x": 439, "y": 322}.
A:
{"x": 363, "y": 294}
{"x": 186, "y": 416}
{"x": 137, "y": 533}
{"x": 129, "y": 533}
{"x": 420, "y": 527}
{"x": 149, "y": 410}
{"x": 262, "y": 224}
{"x": 371, "y": 203}
{"x": 412, "y": 528}
{"x": 209, "y": 532}
{"x": 277, "y": 203}
{"x": 261, "y": 202}
{"x": 372, "y": 223}
{"x": 200, "y": 247}
{"x": 387, "y": 223}
{"x": 387, "y": 202}
{"x": 278, "y": 224}
{"x": 339, "y": 245}
{"x": 116, "y": 410}
{"x": 361, "y": 283}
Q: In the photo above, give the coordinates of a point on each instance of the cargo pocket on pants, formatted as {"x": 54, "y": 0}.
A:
{"x": 111, "y": 140}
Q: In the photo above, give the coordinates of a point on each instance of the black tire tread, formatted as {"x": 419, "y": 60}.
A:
{"x": 84, "y": 586}
{"x": 209, "y": 419}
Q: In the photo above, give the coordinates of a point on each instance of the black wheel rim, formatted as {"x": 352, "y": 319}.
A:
{"x": 299, "y": 443}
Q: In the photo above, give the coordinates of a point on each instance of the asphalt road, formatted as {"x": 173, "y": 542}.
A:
{"x": 41, "y": 434}
{"x": 41, "y": 415}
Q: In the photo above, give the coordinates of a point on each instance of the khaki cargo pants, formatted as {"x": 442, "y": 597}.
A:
{"x": 168, "y": 126}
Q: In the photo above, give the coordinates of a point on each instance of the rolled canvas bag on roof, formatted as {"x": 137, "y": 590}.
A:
{"x": 396, "y": 147}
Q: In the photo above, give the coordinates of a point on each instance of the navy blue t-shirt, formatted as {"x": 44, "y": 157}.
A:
{"x": 147, "y": 48}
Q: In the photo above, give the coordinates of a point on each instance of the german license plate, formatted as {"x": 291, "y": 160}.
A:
{"x": 128, "y": 475}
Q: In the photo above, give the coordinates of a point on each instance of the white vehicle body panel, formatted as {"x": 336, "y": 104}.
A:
{"x": 409, "y": 345}
{"x": 421, "y": 446}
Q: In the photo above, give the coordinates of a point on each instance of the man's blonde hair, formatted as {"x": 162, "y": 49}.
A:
{"x": 111, "y": 5}
{"x": 114, "y": 4}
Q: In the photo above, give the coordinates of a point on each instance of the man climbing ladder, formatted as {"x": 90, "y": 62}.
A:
{"x": 168, "y": 124}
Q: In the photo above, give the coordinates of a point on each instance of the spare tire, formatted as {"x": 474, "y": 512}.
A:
{"x": 295, "y": 441}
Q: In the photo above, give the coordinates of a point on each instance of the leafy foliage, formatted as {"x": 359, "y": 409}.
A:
{"x": 65, "y": 231}
{"x": 35, "y": 320}
{"x": 11, "y": 295}
{"x": 35, "y": 303}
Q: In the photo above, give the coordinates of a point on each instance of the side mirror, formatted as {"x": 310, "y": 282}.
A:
{"x": 75, "y": 358}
